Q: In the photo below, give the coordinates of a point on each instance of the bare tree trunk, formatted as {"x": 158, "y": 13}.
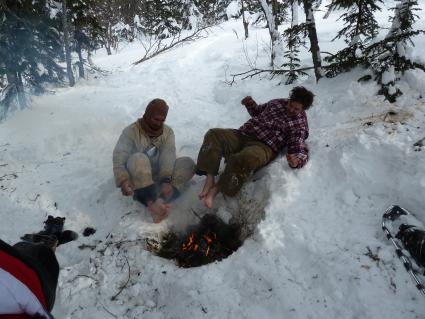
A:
{"x": 270, "y": 10}
{"x": 108, "y": 49}
{"x": 66, "y": 41}
{"x": 89, "y": 59}
{"x": 294, "y": 22}
{"x": 14, "y": 80}
{"x": 312, "y": 35}
{"x": 80, "y": 63}
{"x": 294, "y": 13}
{"x": 245, "y": 23}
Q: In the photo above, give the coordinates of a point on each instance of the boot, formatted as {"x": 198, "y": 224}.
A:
{"x": 49, "y": 241}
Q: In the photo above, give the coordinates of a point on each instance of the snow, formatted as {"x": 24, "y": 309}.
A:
{"x": 388, "y": 76}
{"x": 308, "y": 258}
{"x": 233, "y": 9}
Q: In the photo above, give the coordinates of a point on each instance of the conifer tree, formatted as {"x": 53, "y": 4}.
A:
{"x": 107, "y": 17}
{"x": 66, "y": 40}
{"x": 212, "y": 11}
{"x": 85, "y": 29}
{"x": 30, "y": 48}
{"x": 360, "y": 27}
{"x": 295, "y": 38}
{"x": 390, "y": 58}
{"x": 166, "y": 17}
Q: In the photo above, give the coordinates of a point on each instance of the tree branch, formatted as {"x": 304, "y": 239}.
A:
{"x": 155, "y": 48}
{"x": 254, "y": 71}
{"x": 126, "y": 283}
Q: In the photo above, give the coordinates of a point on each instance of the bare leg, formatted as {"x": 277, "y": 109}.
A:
{"x": 209, "y": 183}
{"x": 209, "y": 197}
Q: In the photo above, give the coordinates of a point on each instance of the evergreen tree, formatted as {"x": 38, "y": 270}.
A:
{"x": 85, "y": 28}
{"x": 166, "y": 17}
{"x": 294, "y": 36}
{"x": 360, "y": 27}
{"x": 107, "y": 17}
{"x": 212, "y": 11}
{"x": 30, "y": 47}
{"x": 390, "y": 58}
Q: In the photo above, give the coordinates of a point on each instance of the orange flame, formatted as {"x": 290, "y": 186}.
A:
{"x": 190, "y": 243}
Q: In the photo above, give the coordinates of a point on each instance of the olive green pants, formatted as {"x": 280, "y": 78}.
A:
{"x": 243, "y": 154}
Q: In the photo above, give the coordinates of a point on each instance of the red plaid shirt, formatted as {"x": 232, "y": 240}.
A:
{"x": 271, "y": 125}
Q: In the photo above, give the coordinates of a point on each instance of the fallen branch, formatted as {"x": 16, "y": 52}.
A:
{"x": 85, "y": 246}
{"x": 126, "y": 283}
{"x": 156, "y": 47}
{"x": 5, "y": 176}
{"x": 84, "y": 276}
{"x": 96, "y": 69}
{"x": 108, "y": 311}
{"x": 253, "y": 72}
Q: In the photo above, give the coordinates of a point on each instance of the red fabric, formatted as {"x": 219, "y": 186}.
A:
{"x": 24, "y": 274}
{"x": 14, "y": 316}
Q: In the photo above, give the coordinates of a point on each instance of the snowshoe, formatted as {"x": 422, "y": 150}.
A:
{"x": 406, "y": 233}
{"x": 53, "y": 231}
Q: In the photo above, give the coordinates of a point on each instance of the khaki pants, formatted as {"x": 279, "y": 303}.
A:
{"x": 244, "y": 155}
{"x": 144, "y": 173}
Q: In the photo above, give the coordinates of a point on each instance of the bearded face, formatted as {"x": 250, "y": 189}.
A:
{"x": 155, "y": 122}
{"x": 155, "y": 114}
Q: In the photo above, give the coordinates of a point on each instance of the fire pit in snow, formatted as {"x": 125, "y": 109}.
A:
{"x": 210, "y": 240}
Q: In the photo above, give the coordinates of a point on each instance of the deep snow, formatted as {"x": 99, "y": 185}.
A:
{"x": 307, "y": 258}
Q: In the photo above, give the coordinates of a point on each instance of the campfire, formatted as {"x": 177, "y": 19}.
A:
{"x": 210, "y": 240}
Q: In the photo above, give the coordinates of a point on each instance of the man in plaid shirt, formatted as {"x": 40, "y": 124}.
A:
{"x": 273, "y": 126}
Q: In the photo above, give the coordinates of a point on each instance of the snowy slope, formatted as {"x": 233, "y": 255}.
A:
{"x": 308, "y": 257}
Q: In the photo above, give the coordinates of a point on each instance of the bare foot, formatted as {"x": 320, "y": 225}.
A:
{"x": 209, "y": 183}
{"x": 209, "y": 197}
{"x": 159, "y": 210}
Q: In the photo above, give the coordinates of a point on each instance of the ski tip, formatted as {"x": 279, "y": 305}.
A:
{"x": 393, "y": 212}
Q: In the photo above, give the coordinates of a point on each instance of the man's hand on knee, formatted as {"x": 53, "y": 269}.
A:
{"x": 127, "y": 188}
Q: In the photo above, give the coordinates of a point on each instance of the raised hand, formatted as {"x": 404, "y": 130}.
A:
{"x": 248, "y": 101}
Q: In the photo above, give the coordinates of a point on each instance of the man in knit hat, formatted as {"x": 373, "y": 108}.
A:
{"x": 145, "y": 164}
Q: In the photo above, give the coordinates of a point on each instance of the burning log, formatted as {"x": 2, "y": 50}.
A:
{"x": 210, "y": 240}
